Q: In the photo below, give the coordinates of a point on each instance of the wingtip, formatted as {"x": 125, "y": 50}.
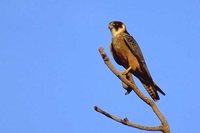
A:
{"x": 159, "y": 90}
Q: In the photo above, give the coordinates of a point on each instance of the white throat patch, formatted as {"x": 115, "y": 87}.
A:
{"x": 119, "y": 31}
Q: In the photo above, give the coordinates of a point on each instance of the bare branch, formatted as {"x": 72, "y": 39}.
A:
{"x": 126, "y": 122}
{"x": 164, "y": 127}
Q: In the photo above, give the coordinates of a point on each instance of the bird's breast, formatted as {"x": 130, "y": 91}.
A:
{"x": 120, "y": 51}
{"x": 123, "y": 55}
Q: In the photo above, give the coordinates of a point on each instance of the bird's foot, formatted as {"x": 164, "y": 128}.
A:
{"x": 126, "y": 71}
{"x": 127, "y": 92}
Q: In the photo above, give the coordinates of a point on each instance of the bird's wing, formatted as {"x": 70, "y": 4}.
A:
{"x": 145, "y": 76}
{"x": 135, "y": 50}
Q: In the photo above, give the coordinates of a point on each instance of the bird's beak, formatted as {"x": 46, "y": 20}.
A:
{"x": 110, "y": 26}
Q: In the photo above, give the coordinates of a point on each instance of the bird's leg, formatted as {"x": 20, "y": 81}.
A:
{"x": 126, "y": 71}
{"x": 129, "y": 77}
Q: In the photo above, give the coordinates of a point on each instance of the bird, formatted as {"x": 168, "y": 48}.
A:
{"x": 127, "y": 53}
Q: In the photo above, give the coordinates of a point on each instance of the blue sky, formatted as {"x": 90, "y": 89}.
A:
{"x": 51, "y": 74}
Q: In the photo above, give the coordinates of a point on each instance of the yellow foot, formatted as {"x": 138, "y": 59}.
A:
{"x": 126, "y": 71}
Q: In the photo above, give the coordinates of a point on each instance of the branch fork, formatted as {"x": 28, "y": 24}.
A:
{"x": 164, "y": 127}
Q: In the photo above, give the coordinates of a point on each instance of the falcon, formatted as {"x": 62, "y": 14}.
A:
{"x": 127, "y": 53}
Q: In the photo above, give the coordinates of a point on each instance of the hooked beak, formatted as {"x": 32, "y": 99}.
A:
{"x": 111, "y": 25}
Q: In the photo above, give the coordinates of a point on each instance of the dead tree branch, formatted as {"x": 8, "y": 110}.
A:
{"x": 164, "y": 127}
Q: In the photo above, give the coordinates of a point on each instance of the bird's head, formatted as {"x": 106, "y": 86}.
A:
{"x": 117, "y": 27}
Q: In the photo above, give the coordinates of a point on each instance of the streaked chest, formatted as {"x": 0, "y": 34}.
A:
{"x": 120, "y": 46}
{"x": 120, "y": 50}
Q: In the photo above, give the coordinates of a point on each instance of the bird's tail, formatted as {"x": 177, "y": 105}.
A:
{"x": 152, "y": 92}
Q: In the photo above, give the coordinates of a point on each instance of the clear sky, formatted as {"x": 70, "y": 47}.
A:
{"x": 51, "y": 74}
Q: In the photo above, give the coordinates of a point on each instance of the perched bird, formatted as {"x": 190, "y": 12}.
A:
{"x": 127, "y": 53}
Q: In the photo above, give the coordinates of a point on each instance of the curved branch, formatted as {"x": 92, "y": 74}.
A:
{"x": 164, "y": 127}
